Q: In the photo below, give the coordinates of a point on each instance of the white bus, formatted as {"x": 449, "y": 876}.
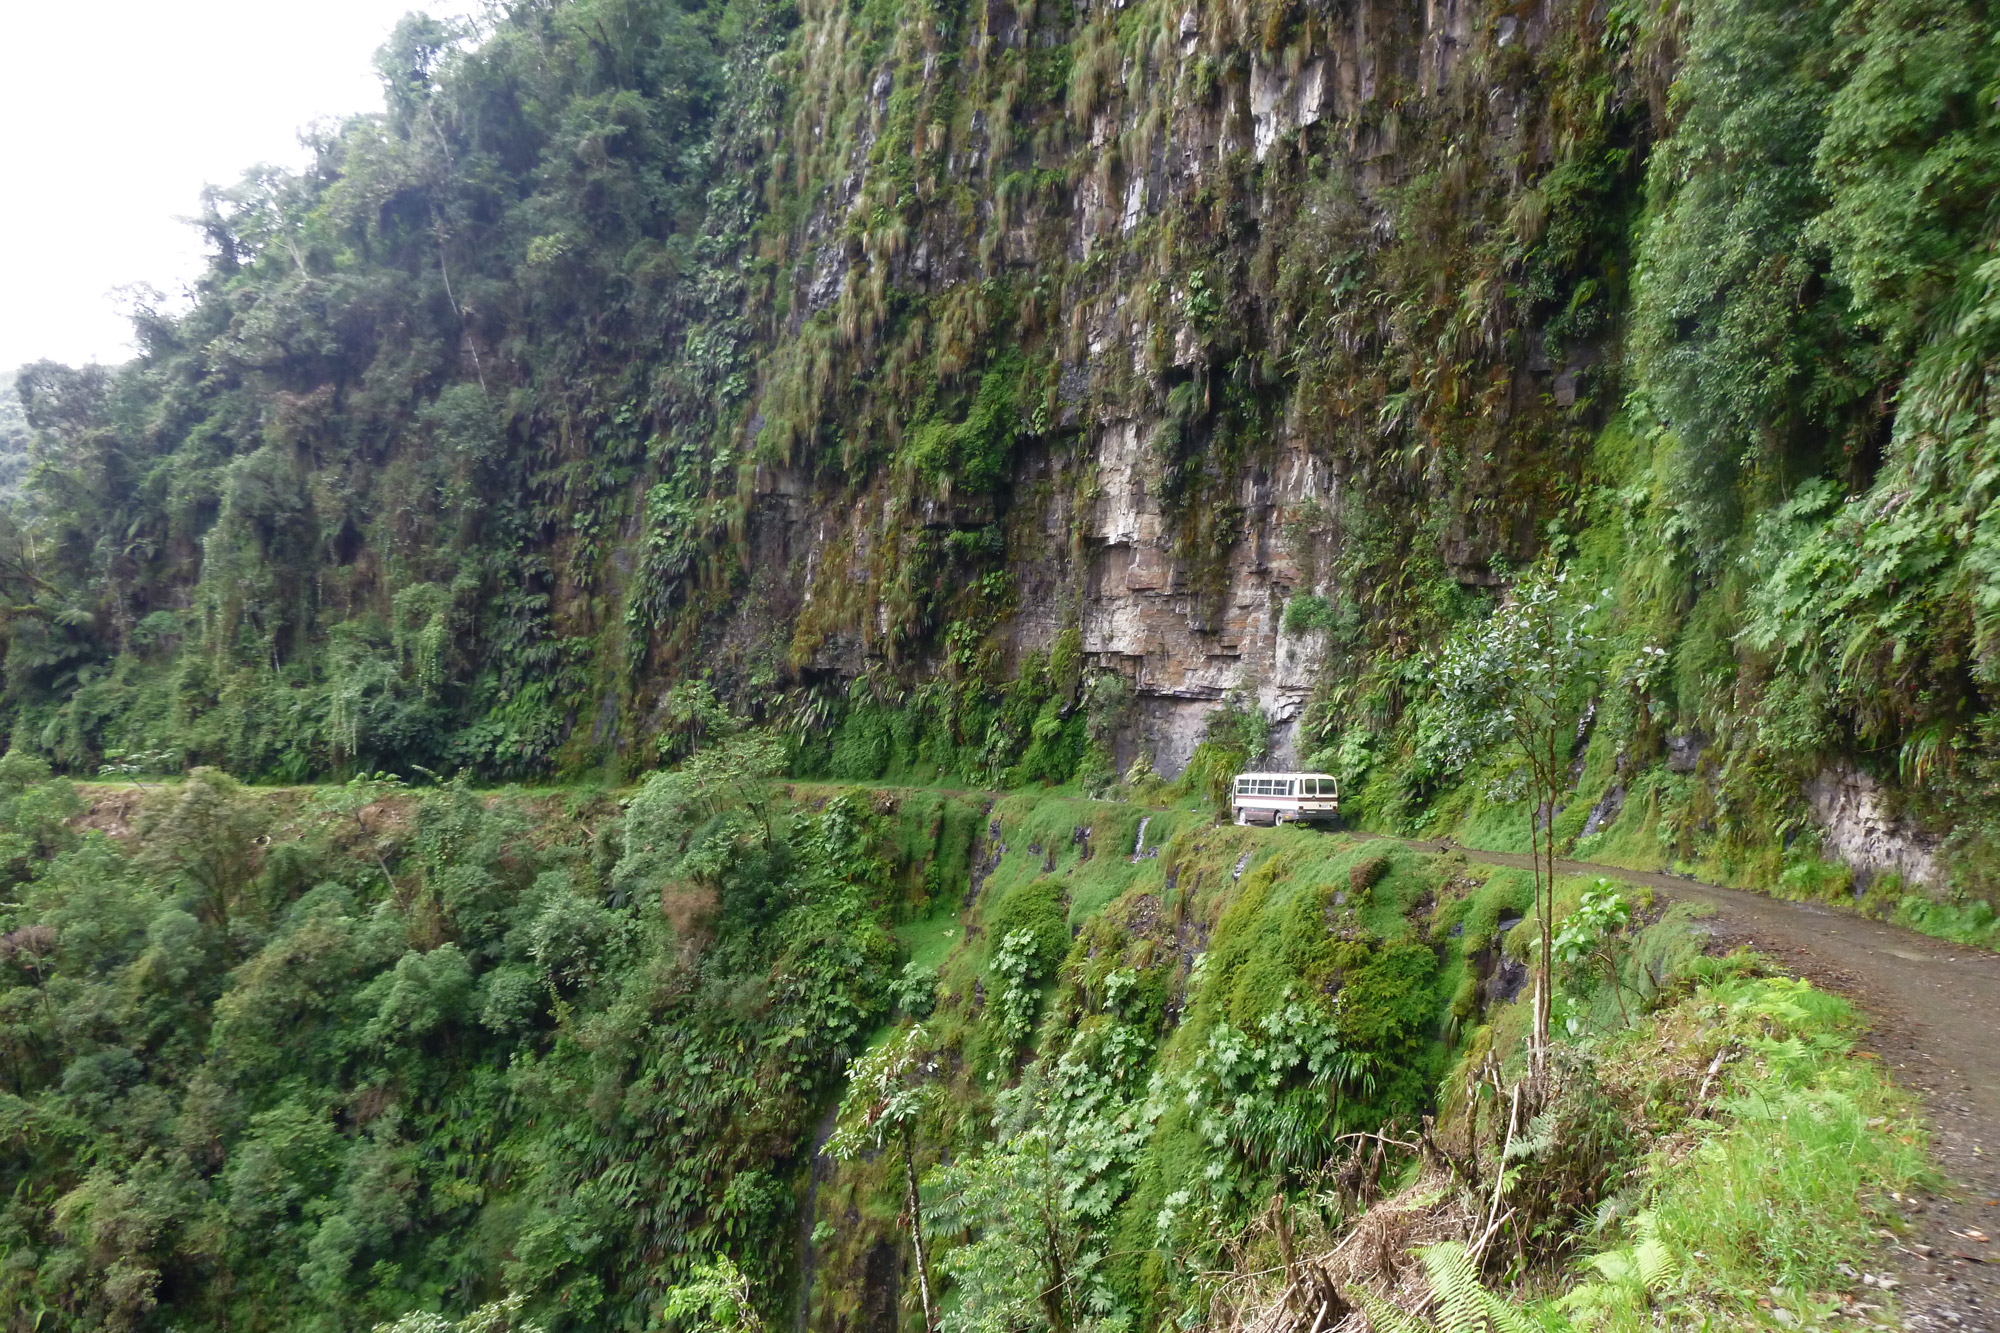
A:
{"x": 1284, "y": 798}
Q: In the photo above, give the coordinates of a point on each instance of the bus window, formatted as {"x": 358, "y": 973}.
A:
{"x": 1308, "y": 786}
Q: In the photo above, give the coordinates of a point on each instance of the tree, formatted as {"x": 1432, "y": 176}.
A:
{"x": 205, "y": 837}
{"x": 1741, "y": 344}
{"x": 1519, "y": 681}
{"x": 1590, "y": 935}
{"x": 1064, "y": 1141}
{"x": 891, "y": 1088}
{"x": 694, "y": 823}
{"x": 714, "y": 1299}
{"x": 501, "y": 1316}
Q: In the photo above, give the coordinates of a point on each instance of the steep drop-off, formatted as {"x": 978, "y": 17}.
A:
{"x": 720, "y": 1053}
{"x": 1021, "y": 391}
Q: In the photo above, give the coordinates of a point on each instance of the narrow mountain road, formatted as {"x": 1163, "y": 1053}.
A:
{"x": 1935, "y": 1011}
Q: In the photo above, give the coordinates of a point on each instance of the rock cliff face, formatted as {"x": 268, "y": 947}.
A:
{"x": 1864, "y": 832}
{"x": 1009, "y": 392}
{"x": 1272, "y": 298}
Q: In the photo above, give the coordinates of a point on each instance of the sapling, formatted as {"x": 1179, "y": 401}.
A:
{"x": 1518, "y": 682}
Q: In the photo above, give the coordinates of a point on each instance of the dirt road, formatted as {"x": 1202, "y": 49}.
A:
{"x": 1935, "y": 1009}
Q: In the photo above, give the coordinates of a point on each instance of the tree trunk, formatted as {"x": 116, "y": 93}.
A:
{"x": 917, "y": 1226}
{"x": 1554, "y": 787}
{"x": 1544, "y": 899}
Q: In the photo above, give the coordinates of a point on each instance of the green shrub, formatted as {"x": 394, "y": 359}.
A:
{"x": 1041, "y": 912}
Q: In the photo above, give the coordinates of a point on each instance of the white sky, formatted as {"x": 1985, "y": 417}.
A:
{"x": 114, "y": 114}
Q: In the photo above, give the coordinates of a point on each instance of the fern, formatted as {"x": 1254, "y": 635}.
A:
{"x": 1628, "y": 1278}
{"x": 1464, "y": 1303}
{"x": 1455, "y": 1287}
{"x": 1386, "y": 1318}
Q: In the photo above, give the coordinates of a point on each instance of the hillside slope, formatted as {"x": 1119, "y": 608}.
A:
{"x": 324, "y": 1058}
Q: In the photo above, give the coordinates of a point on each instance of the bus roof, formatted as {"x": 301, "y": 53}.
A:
{"x": 1285, "y": 775}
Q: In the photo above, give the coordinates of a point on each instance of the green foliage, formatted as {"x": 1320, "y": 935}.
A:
{"x": 974, "y": 454}
{"x": 202, "y": 836}
{"x": 1026, "y": 1266}
{"x": 887, "y": 1089}
{"x": 1035, "y": 1201}
{"x": 1909, "y": 157}
{"x": 1271, "y": 1099}
{"x": 474, "y": 454}
{"x": 1590, "y": 935}
{"x": 377, "y": 1053}
{"x": 501, "y": 1316}
{"x": 1968, "y": 923}
{"x": 387, "y": 497}
{"x": 1031, "y": 930}
{"x": 1522, "y": 676}
{"x": 714, "y": 1299}
{"x": 1783, "y": 1188}
{"x": 1308, "y": 612}
{"x": 1038, "y": 912}
{"x": 463, "y": 457}
{"x": 1017, "y": 975}
{"x": 1730, "y": 354}
{"x": 1236, "y": 736}
{"x": 1463, "y": 1303}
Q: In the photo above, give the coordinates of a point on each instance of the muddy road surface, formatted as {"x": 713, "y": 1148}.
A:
{"x": 1935, "y": 1014}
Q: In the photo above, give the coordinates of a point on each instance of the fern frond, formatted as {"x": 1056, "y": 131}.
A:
{"x": 1655, "y": 1261}
{"x": 1618, "y": 1268}
{"x": 1465, "y": 1304}
{"x": 1386, "y": 1318}
{"x": 1505, "y": 1316}
{"x": 1461, "y": 1303}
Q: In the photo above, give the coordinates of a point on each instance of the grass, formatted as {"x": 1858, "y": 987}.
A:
{"x": 1751, "y": 1198}
{"x": 1964, "y": 923}
{"x": 931, "y": 939}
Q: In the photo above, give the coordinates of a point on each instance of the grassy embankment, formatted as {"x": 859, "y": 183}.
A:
{"x": 1714, "y": 1147}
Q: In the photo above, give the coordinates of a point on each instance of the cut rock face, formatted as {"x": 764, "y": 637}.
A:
{"x": 1684, "y": 751}
{"x": 1865, "y": 835}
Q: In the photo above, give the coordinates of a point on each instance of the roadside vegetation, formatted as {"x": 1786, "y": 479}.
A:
{"x": 455, "y": 464}
{"x": 344, "y": 1056}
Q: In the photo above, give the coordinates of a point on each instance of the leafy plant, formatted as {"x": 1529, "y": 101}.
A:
{"x": 1520, "y": 679}
{"x": 888, "y": 1090}
{"x": 714, "y": 1299}
{"x": 1589, "y": 934}
{"x": 1463, "y": 1304}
